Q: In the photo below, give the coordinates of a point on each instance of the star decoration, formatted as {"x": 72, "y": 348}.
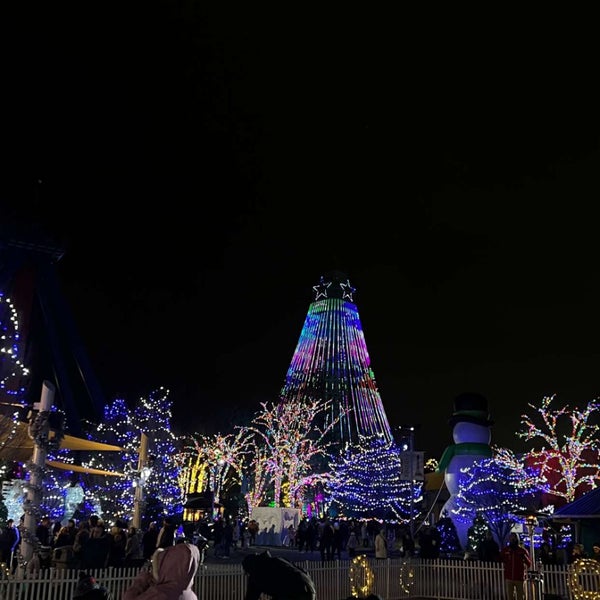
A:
{"x": 321, "y": 289}
{"x": 347, "y": 290}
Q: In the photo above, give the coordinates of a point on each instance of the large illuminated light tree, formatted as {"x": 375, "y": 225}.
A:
{"x": 331, "y": 363}
{"x": 571, "y": 460}
{"x": 287, "y": 440}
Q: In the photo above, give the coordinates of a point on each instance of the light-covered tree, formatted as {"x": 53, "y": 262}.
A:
{"x": 476, "y": 534}
{"x": 212, "y": 462}
{"x": 496, "y": 491}
{"x": 366, "y": 482}
{"x": 569, "y": 456}
{"x": 123, "y": 427}
{"x": 288, "y": 439}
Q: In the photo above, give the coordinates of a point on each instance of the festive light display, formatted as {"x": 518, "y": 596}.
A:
{"x": 212, "y": 462}
{"x": 495, "y": 492}
{"x": 123, "y": 427}
{"x": 572, "y": 461}
{"x": 331, "y": 363}
{"x": 589, "y": 569}
{"x": 407, "y": 577}
{"x": 449, "y": 542}
{"x": 13, "y": 373}
{"x": 366, "y": 482}
{"x": 292, "y": 439}
{"x": 361, "y": 577}
{"x": 476, "y": 534}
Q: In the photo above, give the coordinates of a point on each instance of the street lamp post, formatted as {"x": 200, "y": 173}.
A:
{"x": 534, "y": 583}
{"x": 408, "y": 451}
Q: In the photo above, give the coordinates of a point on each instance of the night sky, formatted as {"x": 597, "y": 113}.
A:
{"x": 204, "y": 169}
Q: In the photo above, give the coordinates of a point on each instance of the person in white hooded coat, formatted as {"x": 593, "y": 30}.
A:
{"x": 172, "y": 575}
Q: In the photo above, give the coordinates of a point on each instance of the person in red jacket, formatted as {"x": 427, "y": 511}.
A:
{"x": 516, "y": 561}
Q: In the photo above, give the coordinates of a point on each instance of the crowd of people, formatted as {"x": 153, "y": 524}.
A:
{"x": 89, "y": 544}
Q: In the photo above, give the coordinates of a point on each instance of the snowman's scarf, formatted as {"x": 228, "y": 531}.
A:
{"x": 466, "y": 448}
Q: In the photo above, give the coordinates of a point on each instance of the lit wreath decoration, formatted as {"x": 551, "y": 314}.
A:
{"x": 580, "y": 566}
{"x": 360, "y": 570}
{"x": 407, "y": 577}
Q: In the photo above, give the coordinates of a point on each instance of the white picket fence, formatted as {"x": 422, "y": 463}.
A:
{"x": 392, "y": 579}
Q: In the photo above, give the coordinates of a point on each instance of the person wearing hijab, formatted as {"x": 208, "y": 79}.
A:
{"x": 171, "y": 577}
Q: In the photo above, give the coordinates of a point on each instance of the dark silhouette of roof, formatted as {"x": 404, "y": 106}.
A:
{"x": 585, "y": 507}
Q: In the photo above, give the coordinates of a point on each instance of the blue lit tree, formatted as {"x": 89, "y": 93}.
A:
{"x": 495, "y": 490}
{"x": 152, "y": 416}
{"x": 449, "y": 543}
{"x": 123, "y": 427}
{"x": 366, "y": 482}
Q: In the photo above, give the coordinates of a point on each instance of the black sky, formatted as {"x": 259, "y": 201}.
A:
{"x": 204, "y": 169}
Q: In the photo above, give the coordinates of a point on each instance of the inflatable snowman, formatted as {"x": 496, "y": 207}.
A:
{"x": 472, "y": 435}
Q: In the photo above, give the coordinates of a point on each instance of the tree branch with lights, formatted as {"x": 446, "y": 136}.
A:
{"x": 214, "y": 462}
{"x": 571, "y": 459}
{"x": 291, "y": 435}
{"x": 496, "y": 489}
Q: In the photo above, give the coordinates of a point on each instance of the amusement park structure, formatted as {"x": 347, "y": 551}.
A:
{"x": 39, "y": 332}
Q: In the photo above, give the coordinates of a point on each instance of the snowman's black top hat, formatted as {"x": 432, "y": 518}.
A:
{"x": 470, "y": 407}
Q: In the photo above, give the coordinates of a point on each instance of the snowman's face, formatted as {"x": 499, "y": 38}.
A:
{"x": 470, "y": 432}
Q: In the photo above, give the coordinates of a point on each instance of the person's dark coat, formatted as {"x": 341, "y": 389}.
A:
{"x": 166, "y": 535}
{"x": 88, "y": 589}
{"x": 488, "y": 550}
{"x": 96, "y": 551}
{"x": 149, "y": 541}
{"x": 276, "y": 577}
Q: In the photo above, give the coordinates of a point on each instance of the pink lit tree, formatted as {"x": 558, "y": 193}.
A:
{"x": 288, "y": 440}
{"x": 569, "y": 456}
